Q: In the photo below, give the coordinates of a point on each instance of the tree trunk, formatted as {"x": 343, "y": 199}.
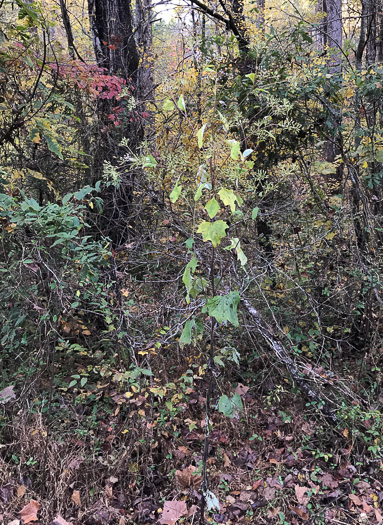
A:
{"x": 113, "y": 38}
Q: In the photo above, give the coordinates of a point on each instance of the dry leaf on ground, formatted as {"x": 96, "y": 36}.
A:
{"x": 188, "y": 478}
{"x": 21, "y": 490}
{"x": 301, "y": 513}
{"x": 173, "y": 511}
{"x": 7, "y": 394}
{"x": 59, "y": 520}
{"x": 300, "y": 494}
{"x": 329, "y": 481}
{"x": 76, "y": 497}
{"x": 29, "y": 512}
{"x": 355, "y": 499}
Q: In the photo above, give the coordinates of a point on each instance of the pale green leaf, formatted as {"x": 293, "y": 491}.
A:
{"x": 236, "y": 245}
{"x": 237, "y": 401}
{"x": 175, "y": 193}
{"x": 254, "y": 213}
{"x": 228, "y": 197}
{"x": 181, "y": 103}
{"x": 212, "y": 208}
{"x": 200, "y": 133}
{"x": 67, "y": 197}
{"x": 168, "y": 105}
{"x": 213, "y": 231}
{"x": 149, "y": 162}
{"x": 235, "y": 148}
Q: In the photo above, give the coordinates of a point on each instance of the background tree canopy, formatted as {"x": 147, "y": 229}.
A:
{"x": 191, "y": 229}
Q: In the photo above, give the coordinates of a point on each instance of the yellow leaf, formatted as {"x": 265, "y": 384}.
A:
{"x": 365, "y": 164}
{"x": 86, "y": 332}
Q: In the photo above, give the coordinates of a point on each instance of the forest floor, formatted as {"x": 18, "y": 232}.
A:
{"x": 272, "y": 463}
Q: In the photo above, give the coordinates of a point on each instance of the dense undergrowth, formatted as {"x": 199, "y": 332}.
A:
{"x": 132, "y": 371}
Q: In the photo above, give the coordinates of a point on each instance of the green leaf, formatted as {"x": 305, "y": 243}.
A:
{"x": 200, "y": 133}
{"x": 251, "y": 76}
{"x": 189, "y": 243}
{"x": 226, "y": 406}
{"x": 181, "y": 103}
{"x": 186, "y": 335}
{"x": 168, "y": 105}
{"x": 149, "y": 162}
{"x": 379, "y": 155}
{"x": 187, "y": 276}
{"x": 83, "y": 381}
{"x": 223, "y": 307}
{"x": 237, "y": 401}
{"x": 145, "y": 372}
{"x": 201, "y": 187}
{"x": 175, "y": 193}
{"x": 224, "y": 121}
{"x": 236, "y": 245}
{"x": 212, "y": 208}
{"x": 213, "y": 231}
{"x": 80, "y": 194}
{"x": 235, "y": 148}
{"x": 33, "y": 204}
{"x": 53, "y": 145}
{"x": 229, "y": 198}
{"x": 254, "y": 213}
{"x": 66, "y": 198}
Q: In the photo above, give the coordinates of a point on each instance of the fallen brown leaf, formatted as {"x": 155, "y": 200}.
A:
{"x": 329, "y": 481}
{"x": 355, "y": 499}
{"x": 300, "y": 494}
{"x": 173, "y": 511}
{"x": 227, "y": 460}
{"x": 257, "y": 483}
{"x": 301, "y": 513}
{"x": 188, "y": 478}
{"x": 21, "y": 490}
{"x": 29, "y": 512}
{"x": 76, "y": 498}
{"x": 241, "y": 389}
{"x": 269, "y": 493}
